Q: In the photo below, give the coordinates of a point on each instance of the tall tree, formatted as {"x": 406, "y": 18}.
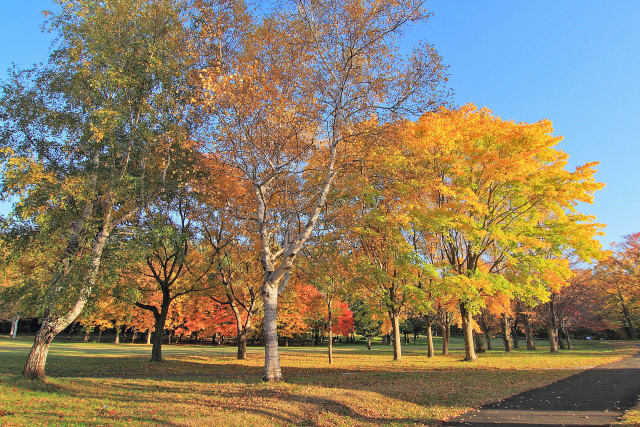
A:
{"x": 88, "y": 138}
{"x": 284, "y": 113}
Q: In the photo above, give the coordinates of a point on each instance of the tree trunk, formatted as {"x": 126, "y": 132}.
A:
{"x": 531, "y": 341}
{"x": 485, "y": 331}
{"x": 397, "y": 344}
{"x": 506, "y": 332}
{"x": 99, "y": 334}
{"x": 565, "y": 335}
{"x": 272, "y": 370}
{"x": 446, "y": 334}
{"x": 552, "y": 329}
{"x": 14, "y": 326}
{"x": 553, "y": 339}
{"x": 242, "y": 345}
{"x": 514, "y": 335}
{"x": 330, "y": 331}
{"x": 133, "y": 336}
{"x": 467, "y": 331}
{"x": 626, "y": 314}
{"x": 368, "y": 343}
{"x": 148, "y": 336}
{"x": 86, "y": 335}
{"x": 117, "y": 340}
{"x": 430, "y": 349}
{"x": 53, "y": 323}
{"x": 158, "y": 331}
{"x": 479, "y": 345}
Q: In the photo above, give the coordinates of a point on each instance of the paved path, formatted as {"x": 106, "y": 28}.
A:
{"x": 595, "y": 397}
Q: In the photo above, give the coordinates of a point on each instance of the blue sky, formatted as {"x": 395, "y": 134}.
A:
{"x": 576, "y": 63}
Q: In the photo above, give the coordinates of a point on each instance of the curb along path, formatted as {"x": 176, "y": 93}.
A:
{"x": 595, "y": 397}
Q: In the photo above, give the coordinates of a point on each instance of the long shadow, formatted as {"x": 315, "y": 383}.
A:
{"x": 593, "y": 397}
{"x": 410, "y": 386}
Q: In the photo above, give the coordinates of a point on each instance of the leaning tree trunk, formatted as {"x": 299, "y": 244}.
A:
{"x": 397, "y": 344}
{"x": 531, "y": 341}
{"x": 430, "y": 349}
{"x": 506, "y": 332}
{"x": 467, "y": 331}
{"x": 54, "y": 323}
{"x": 272, "y": 371}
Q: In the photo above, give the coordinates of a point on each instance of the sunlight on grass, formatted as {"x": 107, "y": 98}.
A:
{"x": 98, "y": 384}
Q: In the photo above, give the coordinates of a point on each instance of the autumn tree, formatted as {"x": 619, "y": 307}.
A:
{"x": 496, "y": 194}
{"x": 284, "y": 113}
{"x": 88, "y": 137}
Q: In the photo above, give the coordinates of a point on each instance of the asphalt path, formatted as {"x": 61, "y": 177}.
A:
{"x": 595, "y": 397}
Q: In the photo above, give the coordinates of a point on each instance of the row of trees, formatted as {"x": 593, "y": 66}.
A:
{"x": 208, "y": 153}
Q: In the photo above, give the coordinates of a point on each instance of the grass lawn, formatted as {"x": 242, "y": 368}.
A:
{"x": 108, "y": 384}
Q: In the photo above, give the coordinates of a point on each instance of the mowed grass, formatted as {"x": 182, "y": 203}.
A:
{"x": 107, "y": 384}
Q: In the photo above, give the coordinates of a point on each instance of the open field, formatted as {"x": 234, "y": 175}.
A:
{"x": 107, "y": 384}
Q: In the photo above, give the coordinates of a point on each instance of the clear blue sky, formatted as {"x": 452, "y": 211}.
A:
{"x": 575, "y": 62}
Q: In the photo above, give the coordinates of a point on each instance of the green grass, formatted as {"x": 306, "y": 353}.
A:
{"x": 107, "y": 384}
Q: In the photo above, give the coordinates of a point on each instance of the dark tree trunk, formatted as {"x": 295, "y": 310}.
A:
{"x": 626, "y": 314}
{"x": 506, "y": 332}
{"x": 565, "y": 335}
{"x": 514, "y": 335}
{"x": 158, "y": 333}
{"x": 330, "y": 331}
{"x": 99, "y": 334}
{"x": 485, "y": 331}
{"x": 531, "y": 341}
{"x": 479, "y": 345}
{"x": 467, "y": 330}
{"x": 446, "y": 334}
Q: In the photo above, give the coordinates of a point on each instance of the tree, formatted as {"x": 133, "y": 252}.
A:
{"x": 84, "y": 135}
{"x": 495, "y": 193}
{"x": 284, "y": 111}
